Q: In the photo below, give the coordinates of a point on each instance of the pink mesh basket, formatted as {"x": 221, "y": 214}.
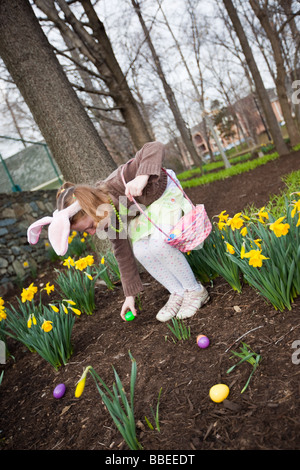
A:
{"x": 191, "y": 230}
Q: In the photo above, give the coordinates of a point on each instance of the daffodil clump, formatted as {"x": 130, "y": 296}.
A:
{"x": 43, "y": 329}
{"x": 78, "y": 244}
{"x": 77, "y": 282}
{"x": 79, "y": 279}
{"x": 264, "y": 250}
{"x": 120, "y": 407}
{"x": 212, "y": 259}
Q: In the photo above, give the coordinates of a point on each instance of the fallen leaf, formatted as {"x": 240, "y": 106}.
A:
{"x": 237, "y": 308}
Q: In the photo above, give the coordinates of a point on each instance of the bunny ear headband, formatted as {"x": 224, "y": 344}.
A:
{"x": 58, "y": 230}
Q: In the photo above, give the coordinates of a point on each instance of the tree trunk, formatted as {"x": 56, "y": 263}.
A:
{"x": 260, "y": 88}
{"x": 262, "y": 15}
{"x": 73, "y": 140}
{"x": 184, "y": 131}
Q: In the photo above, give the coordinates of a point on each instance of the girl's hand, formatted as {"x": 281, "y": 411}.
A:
{"x": 128, "y": 305}
{"x": 135, "y": 187}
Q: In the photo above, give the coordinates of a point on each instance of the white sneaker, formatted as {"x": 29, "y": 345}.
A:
{"x": 171, "y": 308}
{"x": 192, "y": 300}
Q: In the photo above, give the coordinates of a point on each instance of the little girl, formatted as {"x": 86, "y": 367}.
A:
{"x": 90, "y": 209}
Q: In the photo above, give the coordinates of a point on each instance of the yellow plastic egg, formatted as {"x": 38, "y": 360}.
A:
{"x": 219, "y": 392}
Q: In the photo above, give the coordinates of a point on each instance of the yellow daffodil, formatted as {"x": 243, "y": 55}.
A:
{"x": 256, "y": 258}
{"x": 75, "y": 310}
{"x": 262, "y": 214}
{"x": 235, "y": 222}
{"x": 296, "y": 208}
{"x": 85, "y": 234}
{"x": 244, "y": 231}
{"x": 32, "y": 288}
{"x": 70, "y": 239}
{"x": 81, "y": 264}
{"x": 54, "y": 308}
{"x": 74, "y": 233}
{"x": 71, "y": 302}
{"x": 65, "y": 308}
{"x": 223, "y": 217}
{"x": 2, "y": 314}
{"x": 82, "y": 240}
{"x": 257, "y": 242}
{"x": 69, "y": 262}
{"x": 278, "y": 228}
{"x": 47, "y": 326}
{"x": 1, "y": 302}
{"x": 25, "y": 264}
{"x": 31, "y": 320}
{"x": 49, "y": 288}
{"x": 90, "y": 260}
{"x": 221, "y": 225}
{"x": 102, "y": 260}
{"x": 28, "y": 294}
{"x": 81, "y": 383}
{"x": 243, "y": 251}
{"x": 89, "y": 276}
{"x": 230, "y": 248}
{"x": 80, "y": 387}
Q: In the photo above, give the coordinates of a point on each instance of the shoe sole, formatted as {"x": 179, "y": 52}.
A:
{"x": 163, "y": 320}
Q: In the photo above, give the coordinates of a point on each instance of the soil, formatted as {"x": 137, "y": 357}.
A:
{"x": 264, "y": 417}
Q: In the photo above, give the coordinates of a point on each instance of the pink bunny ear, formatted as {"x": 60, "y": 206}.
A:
{"x": 58, "y": 233}
{"x": 59, "y": 228}
{"x": 34, "y": 230}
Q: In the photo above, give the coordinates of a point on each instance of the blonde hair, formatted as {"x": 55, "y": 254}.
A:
{"x": 89, "y": 198}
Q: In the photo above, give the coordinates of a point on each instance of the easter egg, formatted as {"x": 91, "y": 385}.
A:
{"x": 129, "y": 316}
{"x": 219, "y": 392}
{"x": 202, "y": 341}
{"x": 59, "y": 391}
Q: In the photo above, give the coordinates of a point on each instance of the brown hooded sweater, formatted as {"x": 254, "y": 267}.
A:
{"x": 147, "y": 161}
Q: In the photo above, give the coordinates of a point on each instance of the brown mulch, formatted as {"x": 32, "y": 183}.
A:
{"x": 264, "y": 417}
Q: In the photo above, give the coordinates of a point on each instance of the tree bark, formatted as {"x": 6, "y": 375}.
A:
{"x": 272, "y": 34}
{"x": 73, "y": 140}
{"x": 260, "y": 87}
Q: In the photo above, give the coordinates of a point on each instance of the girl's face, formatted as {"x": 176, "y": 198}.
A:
{"x": 85, "y": 224}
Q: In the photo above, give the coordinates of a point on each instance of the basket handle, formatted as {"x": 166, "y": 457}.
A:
{"x": 139, "y": 207}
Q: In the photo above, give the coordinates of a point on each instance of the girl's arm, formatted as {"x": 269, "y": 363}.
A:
{"x": 135, "y": 187}
{"x": 128, "y": 305}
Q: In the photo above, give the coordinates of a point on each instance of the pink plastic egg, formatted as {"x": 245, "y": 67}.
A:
{"x": 202, "y": 341}
{"x": 59, "y": 391}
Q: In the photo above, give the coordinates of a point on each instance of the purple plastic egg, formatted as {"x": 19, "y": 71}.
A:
{"x": 202, "y": 341}
{"x": 59, "y": 391}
